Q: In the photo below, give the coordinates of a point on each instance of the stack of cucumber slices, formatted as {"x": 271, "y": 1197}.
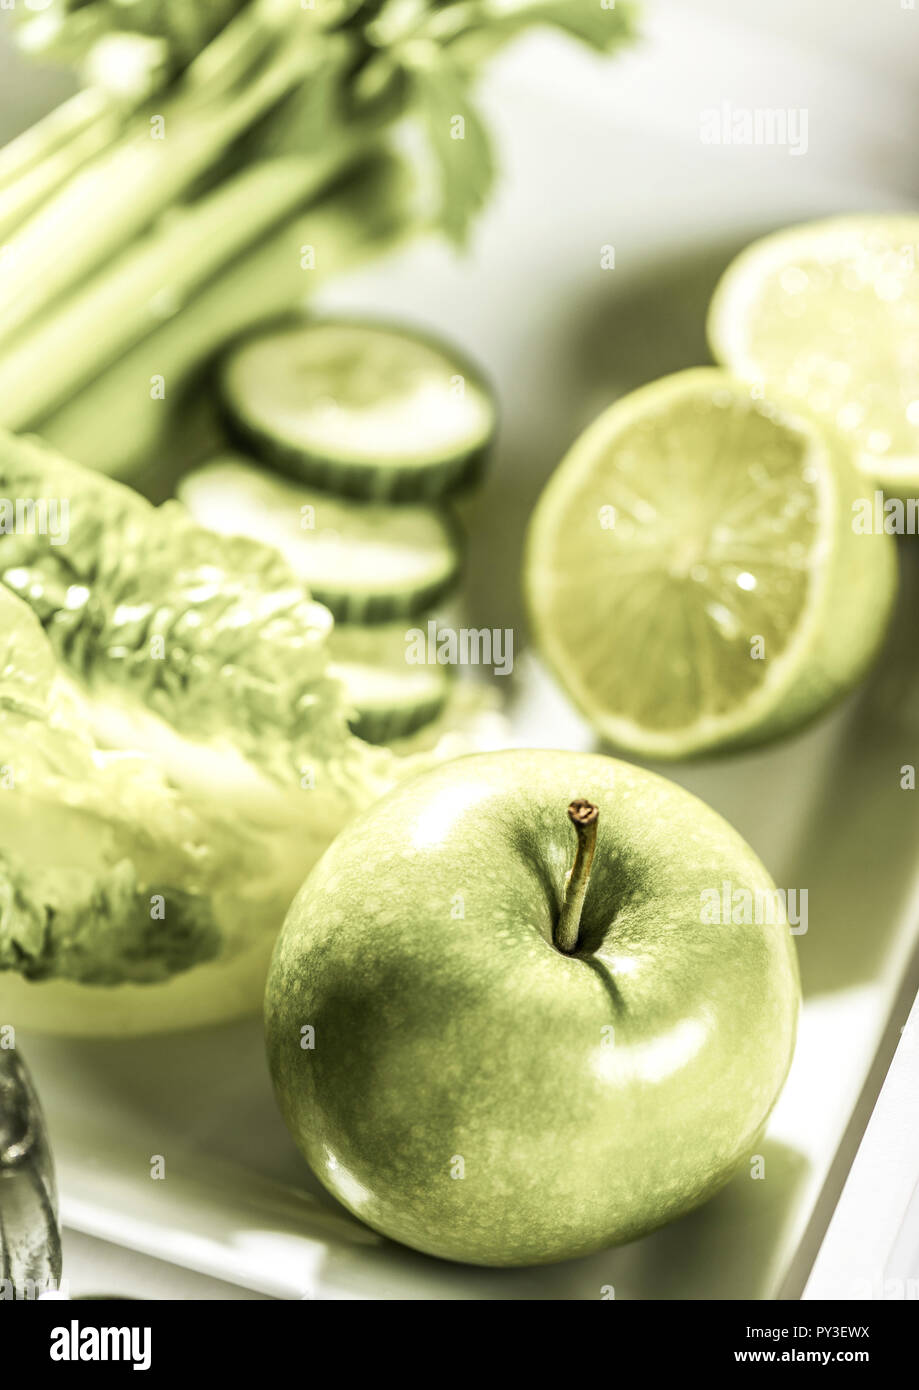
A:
{"x": 373, "y": 426}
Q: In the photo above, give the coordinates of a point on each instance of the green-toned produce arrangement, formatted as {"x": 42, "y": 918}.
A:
{"x": 523, "y": 1003}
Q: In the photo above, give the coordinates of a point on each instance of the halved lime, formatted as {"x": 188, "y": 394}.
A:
{"x": 693, "y": 575}
{"x": 828, "y": 313}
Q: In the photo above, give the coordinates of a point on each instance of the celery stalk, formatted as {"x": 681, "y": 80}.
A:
{"x": 245, "y": 40}
{"x": 120, "y": 194}
{"x": 52, "y": 134}
{"x": 119, "y": 427}
{"x": 150, "y": 282}
{"x": 25, "y": 195}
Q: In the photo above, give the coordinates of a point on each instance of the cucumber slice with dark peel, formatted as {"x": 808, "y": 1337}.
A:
{"x": 360, "y": 409}
{"x": 367, "y": 562}
{"x": 389, "y": 696}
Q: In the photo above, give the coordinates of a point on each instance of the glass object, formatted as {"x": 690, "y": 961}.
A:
{"x": 30, "y": 1241}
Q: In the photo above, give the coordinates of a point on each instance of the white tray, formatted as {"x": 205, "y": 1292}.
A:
{"x": 593, "y": 155}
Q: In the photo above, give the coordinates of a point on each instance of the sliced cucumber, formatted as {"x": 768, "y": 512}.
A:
{"x": 390, "y": 696}
{"x": 364, "y": 410}
{"x": 367, "y": 562}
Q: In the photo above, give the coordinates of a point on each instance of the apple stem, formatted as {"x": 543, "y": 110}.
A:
{"x": 583, "y": 816}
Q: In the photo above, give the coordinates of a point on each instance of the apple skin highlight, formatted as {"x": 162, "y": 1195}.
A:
{"x": 474, "y": 1092}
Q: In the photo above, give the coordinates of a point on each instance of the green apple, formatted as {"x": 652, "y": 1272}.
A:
{"x": 506, "y": 1034}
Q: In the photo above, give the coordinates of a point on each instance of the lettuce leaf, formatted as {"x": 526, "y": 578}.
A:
{"x": 173, "y": 754}
{"x": 69, "y": 921}
{"x": 69, "y": 924}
